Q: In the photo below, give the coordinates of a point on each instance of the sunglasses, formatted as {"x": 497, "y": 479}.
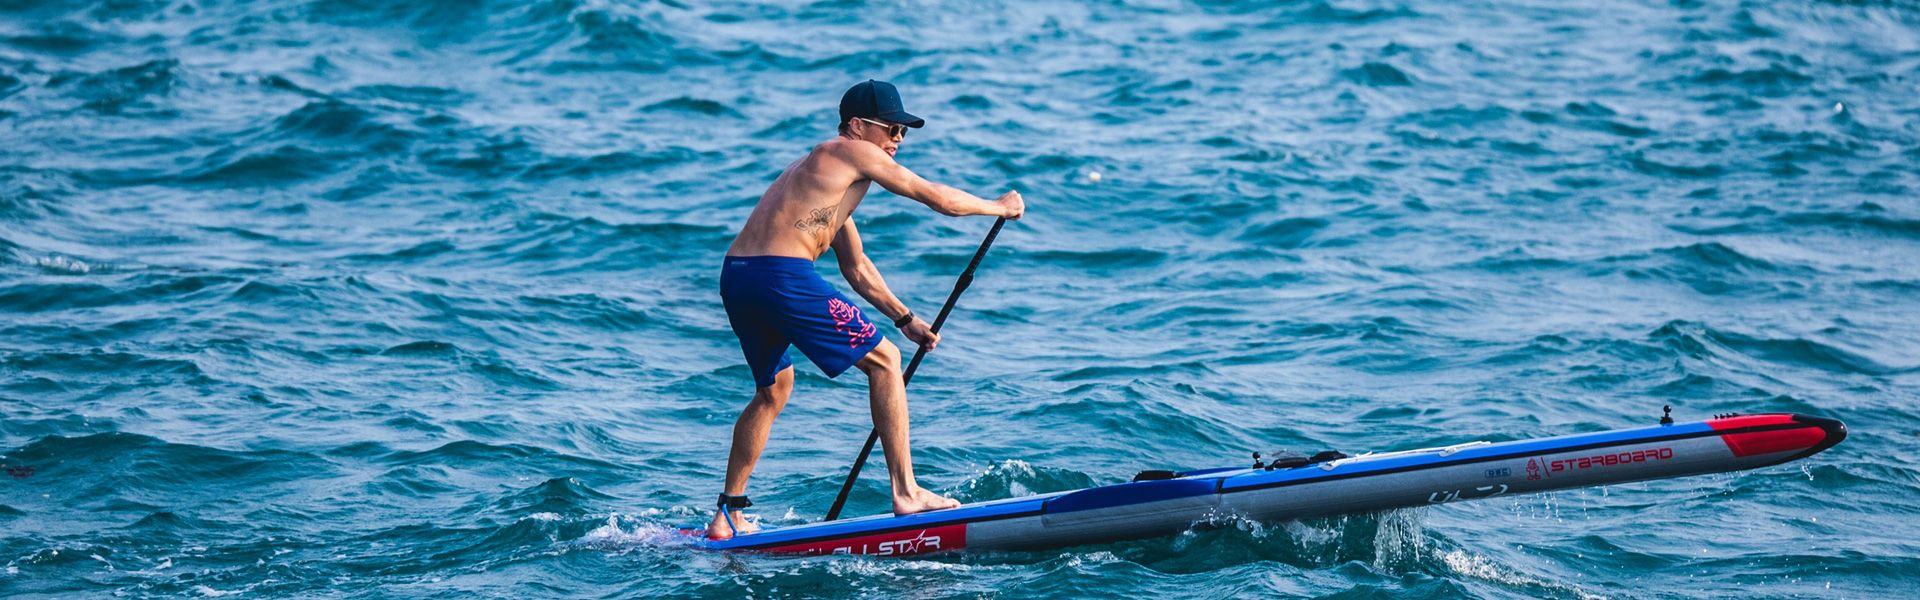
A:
{"x": 892, "y": 129}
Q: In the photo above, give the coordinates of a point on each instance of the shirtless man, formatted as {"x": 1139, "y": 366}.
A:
{"x": 774, "y": 299}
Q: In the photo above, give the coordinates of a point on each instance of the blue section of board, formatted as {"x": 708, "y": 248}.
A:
{"x": 1130, "y": 493}
{"x": 1518, "y": 448}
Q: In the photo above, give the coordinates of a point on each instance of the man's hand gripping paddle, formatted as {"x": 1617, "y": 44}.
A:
{"x": 966, "y": 279}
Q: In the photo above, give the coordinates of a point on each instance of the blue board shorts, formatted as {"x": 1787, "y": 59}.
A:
{"x": 776, "y": 301}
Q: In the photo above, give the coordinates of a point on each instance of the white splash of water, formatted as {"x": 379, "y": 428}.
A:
{"x": 1309, "y": 535}
{"x": 1399, "y": 539}
{"x": 1485, "y": 569}
{"x": 1012, "y": 470}
{"x": 612, "y": 535}
{"x": 60, "y": 263}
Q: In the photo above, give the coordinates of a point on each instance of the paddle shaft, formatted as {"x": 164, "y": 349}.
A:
{"x": 959, "y": 285}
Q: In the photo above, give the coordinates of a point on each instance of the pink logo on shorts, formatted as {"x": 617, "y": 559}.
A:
{"x": 848, "y": 320}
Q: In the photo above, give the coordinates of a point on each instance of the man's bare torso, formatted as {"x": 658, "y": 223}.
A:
{"x": 803, "y": 209}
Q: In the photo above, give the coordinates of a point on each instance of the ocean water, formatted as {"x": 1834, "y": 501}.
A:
{"x": 343, "y": 298}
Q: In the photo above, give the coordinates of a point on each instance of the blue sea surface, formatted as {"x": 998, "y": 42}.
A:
{"x": 346, "y": 298}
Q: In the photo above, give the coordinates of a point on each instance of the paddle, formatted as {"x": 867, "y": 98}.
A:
{"x": 966, "y": 279}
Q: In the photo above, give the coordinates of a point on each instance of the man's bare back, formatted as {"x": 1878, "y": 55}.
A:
{"x": 800, "y": 212}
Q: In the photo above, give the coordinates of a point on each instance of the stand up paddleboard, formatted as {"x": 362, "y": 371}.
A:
{"x": 1159, "y": 503}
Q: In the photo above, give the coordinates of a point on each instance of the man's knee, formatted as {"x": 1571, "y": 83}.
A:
{"x": 775, "y": 396}
{"x": 884, "y": 358}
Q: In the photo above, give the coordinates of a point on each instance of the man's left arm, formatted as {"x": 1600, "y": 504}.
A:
{"x": 866, "y": 281}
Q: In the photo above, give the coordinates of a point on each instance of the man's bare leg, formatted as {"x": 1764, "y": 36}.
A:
{"x": 749, "y": 438}
{"x": 888, "y": 394}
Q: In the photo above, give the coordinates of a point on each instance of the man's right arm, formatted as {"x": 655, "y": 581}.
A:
{"x": 944, "y": 199}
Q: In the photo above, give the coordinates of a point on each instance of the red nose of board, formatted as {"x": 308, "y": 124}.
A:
{"x": 1750, "y": 435}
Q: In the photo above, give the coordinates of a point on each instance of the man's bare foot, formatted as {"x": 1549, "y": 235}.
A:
{"x": 717, "y": 529}
{"x": 920, "y": 500}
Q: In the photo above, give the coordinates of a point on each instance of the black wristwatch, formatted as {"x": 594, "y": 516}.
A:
{"x": 903, "y": 320}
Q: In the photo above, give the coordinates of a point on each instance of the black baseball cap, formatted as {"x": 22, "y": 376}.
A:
{"x": 876, "y": 100}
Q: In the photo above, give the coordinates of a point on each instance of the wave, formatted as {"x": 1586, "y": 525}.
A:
{"x": 1712, "y": 268}
{"x": 168, "y": 525}
{"x": 104, "y": 468}
{"x": 115, "y": 366}
{"x": 1374, "y": 74}
{"x": 1595, "y": 116}
{"x": 336, "y": 121}
{"x": 439, "y": 19}
{"x": 1517, "y": 260}
{"x": 1460, "y": 117}
{"x": 552, "y": 243}
{"x": 1288, "y": 233}
{"x": 1016, "y": 478}
{"x": 411, "y": 255}
{"x": 1145, "y": 93}
{"x": 1148, "y": 371}
{"x": 1287, "y": 16}
{"x": 137, "y": 289}
{"x": 1775, "y": 80}
{"x": 1868, "y": 218}
{"x": 422, "y": 348}
{"x": 635, "y": 41}
{"x": 565, "y": 496}
{"x": 1393, "y": 541}
{"x": 588, "y": 310}
{"x": 265, "y": 292}
{"x": 489, "y": 366}
{"x": 614, "y": 163}
{"x": 479, "y": 155}
{"x": 1137, "y": 413}
{"x": 567, "y": 37}
{"x": 1122, "y": 258}
{"x": 1717, "y": 255}
{"x": 27, "y": 193}
{"x": 1639, "y": 161}
{"x": 1326, "y": 12}
{"x": 1700, "y": 341}
{"x": 63, "y": 37}
{"x": 278, "y": 165}
{"x": 410, "y": 96}
{"x": 10, "y": 85}
{"x": 117, "y": 90}
{"x": 1800, "y": 351}
{"x": 696, "y": 106}
{"x": 472, "y": 452}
